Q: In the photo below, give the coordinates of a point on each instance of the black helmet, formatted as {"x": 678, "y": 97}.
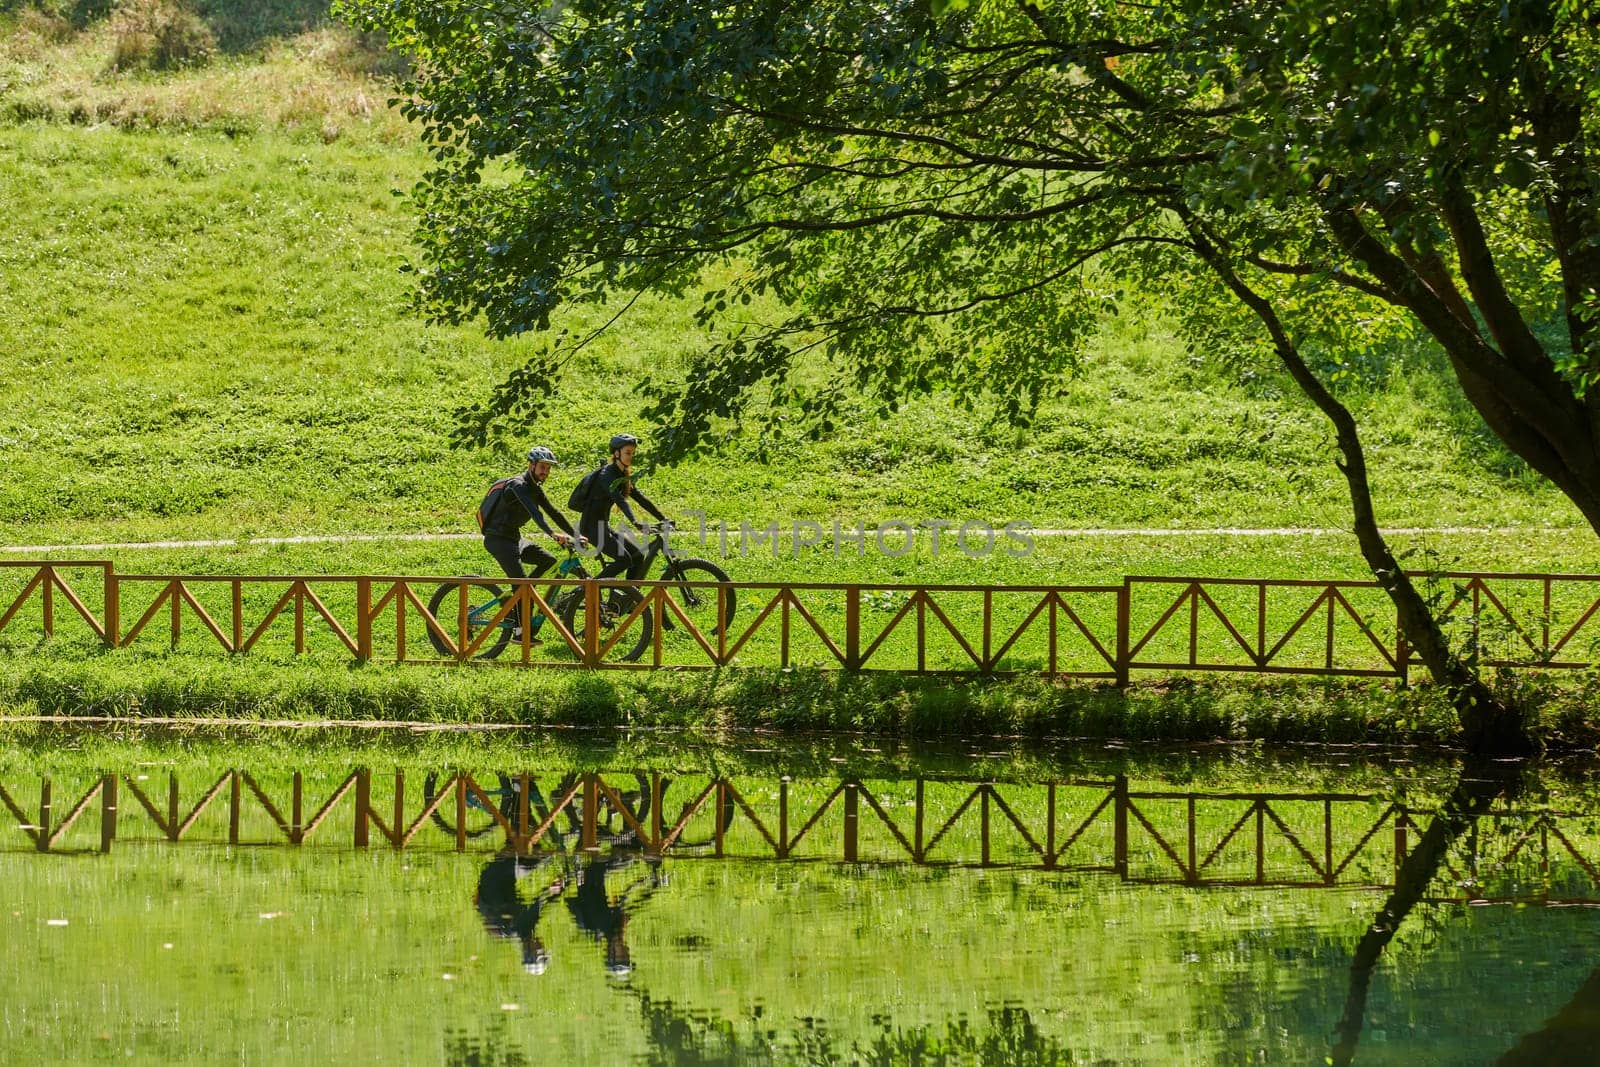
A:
{"x": 541, "y": 454}
{"x": 622, "y": 440}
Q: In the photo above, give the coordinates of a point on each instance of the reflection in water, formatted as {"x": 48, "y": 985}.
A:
{"x": 604, "y": 916}
{"x": 1481, "y": 783}
{"x": 888, "y": 920}
{"x": 1010, "y": 1036}
{"x": 506, "y": 915}
{"x": 1571, "y": 1036}
{"x": 599, "y": 911}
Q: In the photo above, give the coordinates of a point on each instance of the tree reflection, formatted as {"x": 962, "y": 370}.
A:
{"x": 1011, "y": 1037}
{"x": 1480, "y": 784}
{"x": 1571, "y": 1036}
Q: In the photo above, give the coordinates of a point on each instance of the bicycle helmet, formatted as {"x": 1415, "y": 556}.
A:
{"x": 621, "y": 440}
{"x": 541, "y": 454}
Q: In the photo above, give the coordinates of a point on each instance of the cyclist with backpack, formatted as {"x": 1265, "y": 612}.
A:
{"x": 602, "y": 489}
{"x": 508, "y": 506}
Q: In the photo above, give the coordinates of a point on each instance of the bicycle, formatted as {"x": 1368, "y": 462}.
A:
{"x": 610, "y": 828}
{"x": 699, "y": 604}
{"x": 505, "y": 797}
{"x": 487, "y": 601}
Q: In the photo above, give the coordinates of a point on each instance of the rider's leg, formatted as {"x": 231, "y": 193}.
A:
{"x": 538, "y": 561}
{"x": 635, "y": 554}
{"x": 508, "y": 554}
{"x": 609, "y": 544}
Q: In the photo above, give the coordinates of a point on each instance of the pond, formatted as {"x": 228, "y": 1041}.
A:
{"x": 188, "y": 898}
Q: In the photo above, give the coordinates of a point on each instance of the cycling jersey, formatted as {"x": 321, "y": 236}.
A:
{"x": 524, "y": 499}
{"x": 613, "y": 488}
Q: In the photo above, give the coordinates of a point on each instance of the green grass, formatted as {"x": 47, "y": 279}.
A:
{"x": 206, "y": 336}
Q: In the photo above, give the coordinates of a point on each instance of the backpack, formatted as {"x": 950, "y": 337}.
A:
{"x": 584, "y": 490}
{"x": 491, "y": 500}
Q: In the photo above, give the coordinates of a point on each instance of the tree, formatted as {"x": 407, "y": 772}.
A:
{"x": 966, "y": 188}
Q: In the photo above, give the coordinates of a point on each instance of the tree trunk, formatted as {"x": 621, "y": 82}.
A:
{"x": 1489, "y": 725}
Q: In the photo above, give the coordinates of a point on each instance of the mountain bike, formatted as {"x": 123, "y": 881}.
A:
{"x": 610, "y": 828}
{"x": 486, "y": 601}
{"x": 691, "y": 575}
{"x": 700, "y": 604}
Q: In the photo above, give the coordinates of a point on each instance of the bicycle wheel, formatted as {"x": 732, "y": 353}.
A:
{"x": 483, "y": 604}
{"x": 615, "y": 604}
{"x": 480, "y": 820}
{"x": 705, "y": 828}
{"x": 700, "y": 601}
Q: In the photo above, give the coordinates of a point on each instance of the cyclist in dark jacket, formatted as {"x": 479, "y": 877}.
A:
{"x": 523, "y": 498}
{"x": 612, "y": 486}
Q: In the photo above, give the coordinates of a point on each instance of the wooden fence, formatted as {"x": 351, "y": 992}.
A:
{"x": 1284, "y": 839}
{"x": 1160, "y": 624}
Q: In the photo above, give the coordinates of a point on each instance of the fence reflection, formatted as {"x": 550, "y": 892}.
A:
{"x": 1193, "y": 838}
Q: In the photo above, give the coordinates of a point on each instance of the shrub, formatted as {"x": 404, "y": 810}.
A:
{"x": 41, "y": 25}
{"x": 159, "y": 35}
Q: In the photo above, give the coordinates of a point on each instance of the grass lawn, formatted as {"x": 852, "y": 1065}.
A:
{"x": 206, "y": 336}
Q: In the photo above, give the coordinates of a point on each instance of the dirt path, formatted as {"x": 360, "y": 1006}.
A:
{"x": 1138, "y": 531}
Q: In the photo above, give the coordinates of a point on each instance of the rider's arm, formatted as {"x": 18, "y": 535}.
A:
{"x": 529, "y": 497}
{"x": 644, "y": 502}
{"x": 619, "y": 498}
{"x": 546, "y": 506}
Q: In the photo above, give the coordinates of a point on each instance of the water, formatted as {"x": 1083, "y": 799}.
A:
{"x": 1006, "y": 925}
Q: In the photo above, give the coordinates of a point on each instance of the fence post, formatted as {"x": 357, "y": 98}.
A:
{"x": 297, "y": 824}
{"x": 917, "y": 851}
{"x": 589, "y": 839}
{"x": 363, "y": 799}
{"x": 43, "y": 840}
{"x": 783, "y": 817}
{"x": 113, "y": 616}
{"x": 591, "y": 623}
{"x": 363, "y": 619}
{"x": 656, "y": 829}
{"x": 176, "y": 587}
{"x": 235, "y": 795}
{"x": 1400, "y": 820}
{"x": 1050, "y": 827}
{"x": 852, "y": 628}
{"x": 852, "y": 821}
{"x": 108, "y": 811}
{"x": 983, "y": 824}
{"x": 722, "y": 802}
{"x": 398, "y": 827}
{"x": 236, "y": 591}
{"x": 1119, "y": 823}
{"x": 1124, "y": 609}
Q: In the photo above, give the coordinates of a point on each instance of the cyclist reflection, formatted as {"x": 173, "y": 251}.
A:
{"x": 503, "y": 912}
{"x": 604, "y": 916}
{"x": 598, "y": 909}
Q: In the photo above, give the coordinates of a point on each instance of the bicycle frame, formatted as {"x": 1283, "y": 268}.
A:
{"x": 571, "y": 567}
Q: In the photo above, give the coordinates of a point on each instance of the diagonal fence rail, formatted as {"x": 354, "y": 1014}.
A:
{"x": 1145, "y": 624}
{"x": 1168, "y": 837}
